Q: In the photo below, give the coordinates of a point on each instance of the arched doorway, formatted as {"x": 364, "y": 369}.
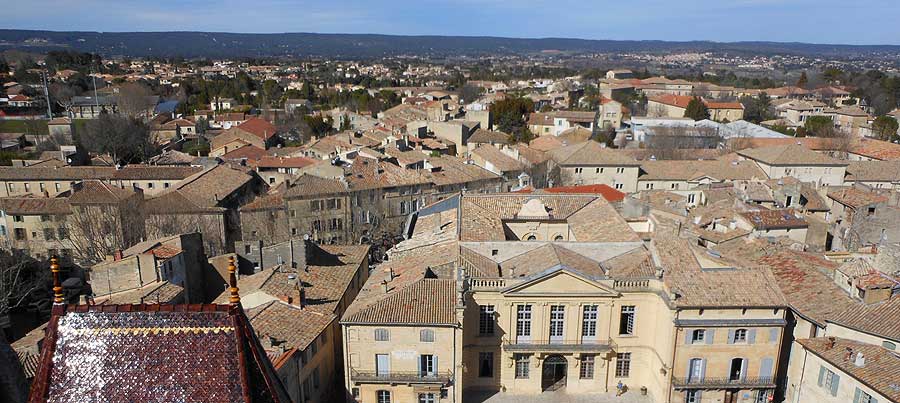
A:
{"x": 553, "y": 375}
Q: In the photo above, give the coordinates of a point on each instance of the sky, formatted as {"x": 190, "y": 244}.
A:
{"x": 813, "y": 21}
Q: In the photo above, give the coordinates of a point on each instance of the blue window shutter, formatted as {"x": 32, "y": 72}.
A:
{"x": 710, "y": 335}
{"x": 419, "y": 363}
{"x": 856, "y": 395}
{"x": 688, "y": 335}
{"x": 751, "y": 336}
{"x": 435, "y": 365}
{"x": 744, "y": 369}
{"x": 765, "y": 367}
{"x": 821, "y": 376}
{"x": 773, "y": 335}
{"x": 703, "y": 368}
{"x": 730, "y": 336}
{"x": 835, "y": 381}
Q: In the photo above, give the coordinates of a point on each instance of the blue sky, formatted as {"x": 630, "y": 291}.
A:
{"x": 815, "y": 21}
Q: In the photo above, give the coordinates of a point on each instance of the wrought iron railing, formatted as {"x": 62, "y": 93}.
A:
{"x": 584, "y": 345}
{"x": 400, "y": 376}
{"x": 724, "y": 382}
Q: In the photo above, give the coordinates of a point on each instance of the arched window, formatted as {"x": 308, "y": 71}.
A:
{"x": 530, "y": 237}
{"x": 558, "y": 238}
{"x": 426, "y": 335}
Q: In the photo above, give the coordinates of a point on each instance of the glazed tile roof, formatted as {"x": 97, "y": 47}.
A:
{"x": 129, "y": 353}
{"x": 880, "y": 372}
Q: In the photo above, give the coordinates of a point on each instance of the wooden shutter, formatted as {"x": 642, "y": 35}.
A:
{"x": 751, "y": 336}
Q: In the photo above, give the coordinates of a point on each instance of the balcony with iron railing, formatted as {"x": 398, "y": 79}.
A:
{"x": 575, "y": 346}
{"x": 392, "y": 377}
{"x": 755, "y": 382}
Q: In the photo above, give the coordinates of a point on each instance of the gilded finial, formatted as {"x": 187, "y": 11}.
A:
{"x": 58, "y": 297}
{"x": 232, "y": 282}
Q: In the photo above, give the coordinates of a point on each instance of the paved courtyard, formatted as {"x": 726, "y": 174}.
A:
{"x": 556, "y": 397}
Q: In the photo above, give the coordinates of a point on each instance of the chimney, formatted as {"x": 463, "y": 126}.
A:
{"x": 117, "y": 255}
{"x": 302, "y": 297}
{"x": 860, "y": 360}
{"x": 830, "y": 344}
{"x": 384, "y": 286}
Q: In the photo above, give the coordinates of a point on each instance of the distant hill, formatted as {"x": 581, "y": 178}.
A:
{"x": 221, "y": 45}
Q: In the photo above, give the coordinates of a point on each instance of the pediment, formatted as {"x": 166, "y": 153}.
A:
{"x": 560, "y": 281}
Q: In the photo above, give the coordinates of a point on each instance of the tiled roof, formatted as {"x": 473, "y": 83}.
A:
{"x": 453, "y": 170}
{"x": 489, "y": 136}
{"x": 310, "y": 185}
{"x": 292, "y": 325}
{"x": 427, "y": 301}
{"x": 501, "y": 161}
{"x": 162, "y": 292}
{"x": 34, "y": 205}
{"x": 790, "y": 155}
{"x": 775, "y": 219}
{"x": 591, "y": 218}
{"x": 248, "y": 152}
{"x": 855, "y": 197}
{"x": 873, "y": 171}
{"x": 99, "y": 192}
{"x": 692, "y": 170}
{"x": 880, "y": 372}
{"x": 283, "y": 162}
{"x": 175, "y": 202}
{"x": 131, "y": 172}
{"x": 123, "y": 353}
{"x": 590, "y": 153}
{"x": 739, "y": 286}
{"x": 207, "y": 188}
{"x": 367, "y": 173}
{"x": 881, "y": 318}
{"x": 258, "y": 127}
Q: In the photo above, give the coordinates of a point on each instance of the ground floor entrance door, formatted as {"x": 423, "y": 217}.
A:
{"x": 554, "y": 373}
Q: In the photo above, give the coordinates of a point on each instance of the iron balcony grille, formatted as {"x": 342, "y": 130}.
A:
{"x": 400, "y": 377}
{"x": 758, "y": 382}
{"x": 584, "y": 345}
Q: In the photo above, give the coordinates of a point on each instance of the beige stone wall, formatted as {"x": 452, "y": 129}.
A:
{"x": 542, "y": 231}
{"x": 626, "y": 176}
{"x": 829, "y": 176}
{"x": 804, "y": 374}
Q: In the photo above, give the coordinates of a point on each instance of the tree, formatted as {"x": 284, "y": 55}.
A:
{"x": 819, "y": 126}
{"x": 134, "y": 100}
{"x": 21, "y": 279}
{"x": 122, "y": 138}
{"x": 803, "y": 80}
{"x": 511, "y": 114}
{"x": 756, "y": 109}
{"x": 696, "y": 109}
{"x": 470, "y": 93}
{"x": 318, "y": 125}
{"x": 885, "y": 128}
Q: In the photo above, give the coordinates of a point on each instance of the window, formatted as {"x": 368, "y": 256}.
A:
{"x": 888, "y": 345}
{"x": 649, "y": 186}
{"x": 620, "y": 170}
{"x": 20, "y": 234}
{"x": 577, "y": 170}
{"x": 382, "y": 335}
{"x": 619, "y": 186}
{"x": 738, "y": 369}
{"x": 862, "y": 397}
{"x": 692, "y": 396}
{"x": 383, "y": 396}
{"x": 829, "y": 380}
{"x": 49, "y": 234}
{"x": 62, "y": 233}
{"x": 557, "y": 322}
{"x": 587, "y": 367}
{"x": 45, "y": 218}
{"x": 427, "y": 365}
{"x": 56, "y": 186}
{"x": 149, "y": 185}
{"x": 247, "y": 249}
{"x": 426, "y": 335}
{"x": 315, "y": 205}
{"x": 18, "y": 218}
{"x": 695, "y": 369}
{"x": 523, "y": 321}
{"x": 623, "y": 365}
{"x": 558, "y": 238}
{"x": 485, "y": 364}
{"x": 531, "y": 237}
{"x": 626, "y": 320}
{"x": 522, "y": 365}
{"x": 382, "y": 364}
{"x": 740, "y": 336}
{"x": 698, "y": 336}
{"x": 486, "y": 320}
{"x": 599, "y": 170}
{"x": 589, "y": 322}
{"x": 426, "y": 398}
